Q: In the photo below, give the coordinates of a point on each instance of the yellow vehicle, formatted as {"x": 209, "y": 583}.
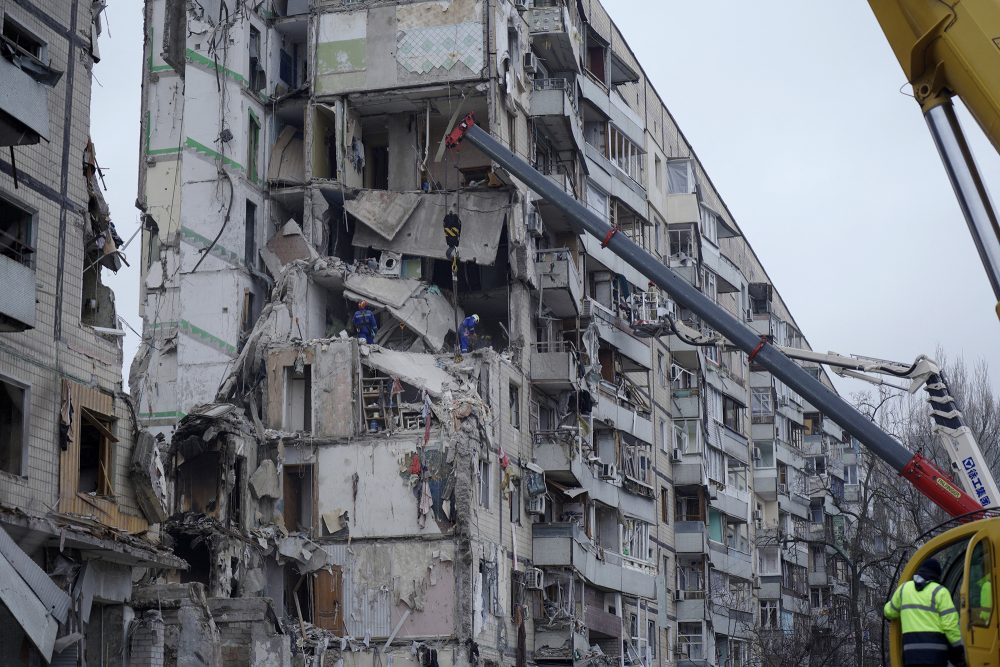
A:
{"x": 951, "y": 49}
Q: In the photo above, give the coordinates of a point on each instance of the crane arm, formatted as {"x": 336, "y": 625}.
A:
{"x": 950, "y": 49}
{"x": 949, "y": 426}
{"x": 914, "y": 467}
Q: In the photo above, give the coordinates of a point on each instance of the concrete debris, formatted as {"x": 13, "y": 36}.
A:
{"x": 287, "y": 165}
{"x": 383, "y": 211}
{"x": 149, "y": 478}
{"x": 287, "y": 246}
{"x": 483, "y": 214}
{"x": 265, "y": 481}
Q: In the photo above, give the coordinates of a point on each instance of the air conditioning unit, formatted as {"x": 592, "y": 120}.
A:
{"x": 783, "y": 488}
{"x": 536, "y": 505}
{"x": 607, "y": 471}
{"x": 534, "y": 579}
{"x": 677, "y": 454}
{"x": 530, "y": 63}
{"x": 533, "y": 222}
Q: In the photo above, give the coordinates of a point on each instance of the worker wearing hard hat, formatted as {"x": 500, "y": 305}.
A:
{"x": 929, "y": 620}
{"x": 365, "y": 323}
{"x": 467, "y": 330}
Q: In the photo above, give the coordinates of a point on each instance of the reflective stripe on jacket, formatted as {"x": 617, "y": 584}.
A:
{"x": 929, "y": 622}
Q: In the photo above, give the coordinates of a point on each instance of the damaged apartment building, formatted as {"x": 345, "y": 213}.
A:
{"x": 80, "y": 491}
{"x": 575, "y": 489}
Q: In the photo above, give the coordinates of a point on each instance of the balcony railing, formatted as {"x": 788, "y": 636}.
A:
{"x": 568, "y": 86}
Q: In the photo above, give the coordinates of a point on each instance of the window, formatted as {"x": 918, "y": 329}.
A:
{"x": 688, "y": 508}
{"x": 762, "y": 405}
{"x": 661, "y": 368}
{"x": 737, "y": 475}
{"x": 13, "y": 426}
{"x": 688, "y": 436}
{"x": 710, "y": 285}
{"x": 596, "y": 56}
{"x": 681, "y": 378}
{"x": 732, "y": 414}
{"x": 765, "y": 455}
{"x": 515, "y": 502}
{"x": 665, "y": 504}
{"x": 253, "y": 145}
{"x": 768, "y": 561}
{"x": 689, "y": 640}
{"x": 680, "y": 177}
{"x": 851, "y": 473}
{"x": 714, "y": 401}
{"x": 682, "y": 242}
{"x": 250, "y": 236}
{"x": 819, "y": 597}
{"x": 651, "y": 638}
{"x": 624, "y": 154}
{"x": 769, "y": 614}
{"x": 24, "y": 40}
{"x": 812, "y": 423}
{"x": 716, "y": 526}
{"x": 597, "y": 201}
{"x": 635, "y": 540}
{"x": 817, "y": 464}
{"x": 981, "y": 584}
{"x": 16, "y": 233}
{"x": 96, "y": 447}
{"x": 665, "y": 433}
{"x": 484, "y": 484}
{"x": 515, "y": 406}
{"x": 710, "y": 225}
{"x": 256, "y": 76}
{"x": 658, "y": 171}
{"x": 816, "y": 513}
{"x": 715, "y": 464}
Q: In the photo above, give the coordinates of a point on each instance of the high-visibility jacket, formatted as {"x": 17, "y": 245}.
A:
{"x": 982, "y": 599}
{"x": 929, "y": 622}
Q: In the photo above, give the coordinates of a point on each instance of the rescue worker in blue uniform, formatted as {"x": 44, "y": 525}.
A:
{"x": 466, "y": 330}
{"x": 929, "y": 620}
{"x": 365, "y": 323}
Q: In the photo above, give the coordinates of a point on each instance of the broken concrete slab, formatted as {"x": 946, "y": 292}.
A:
{"x": 265, "y": 481}
{"x": 148, "y": 478}
{"x": 419, "y": 370}
{"x": 422, "y": 234}
{"x": 287, "y": 246}
{"x": 383, "y": 211}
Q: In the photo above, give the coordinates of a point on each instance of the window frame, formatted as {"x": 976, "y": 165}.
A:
{"x": 25, "y": 423}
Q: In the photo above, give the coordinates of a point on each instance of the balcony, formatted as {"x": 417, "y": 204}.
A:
{"x": 555, "y": 220}
{"x": 561, "y": 642}
{"x": 17, "y": 299}
{"x": 565, "y": 545}
{"x": 691, "y": 606}
{"x": 561, "y": 284}
{"x": 731, "y": 561}
{"x": 623, "y": 415}
{"x": 553, "y": 37}
{"x": 685, "y": 403}
{"x": 559, "y": 454}
{"x": 618, "y": 332}
{"x": 555, "y": 110}
{"x": 690, "y": 473}
{"x": 553, "y": 365}
{"x": 732, "y": 502}
{"x": 819, "y": 578}
{"x": 24, "y": 104}
{"x": 765, "y": 483}
{"x": 690, "y": 537}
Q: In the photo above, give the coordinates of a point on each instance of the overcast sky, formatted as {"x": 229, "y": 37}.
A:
{"x": 796, "y": 112}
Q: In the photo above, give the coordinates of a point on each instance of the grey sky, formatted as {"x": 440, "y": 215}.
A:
{"x": 796, "y": 111}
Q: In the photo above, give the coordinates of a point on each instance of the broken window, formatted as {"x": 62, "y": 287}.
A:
{"x": 194, "y": 550}
{"x": 16, "y": 233}
{"x": 682, "y": 243}
{"x": 23, "y": 40}
{"x": 515, "y": 406}
{"x": 732, "y": 414}
{"x": 298, "y": 497}
{"x": 298, "y": 397}
{"x": 256, "y": 76}
{"x": 253, "y": 145}
{"x": 596, "y": 61}
{"x": 97, "y": 441}
{"x": 13, "y": 426}
{"x": 710, "y": 225}
{"x": 817, "y": 464}
{"x": 250, "y": 236}
{"x": 484, "y": 484}
{"x": 680, "y": 176}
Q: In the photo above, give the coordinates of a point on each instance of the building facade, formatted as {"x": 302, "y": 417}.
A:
{"x": 79, "y": 493}
{"x": 598, "y": 480}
